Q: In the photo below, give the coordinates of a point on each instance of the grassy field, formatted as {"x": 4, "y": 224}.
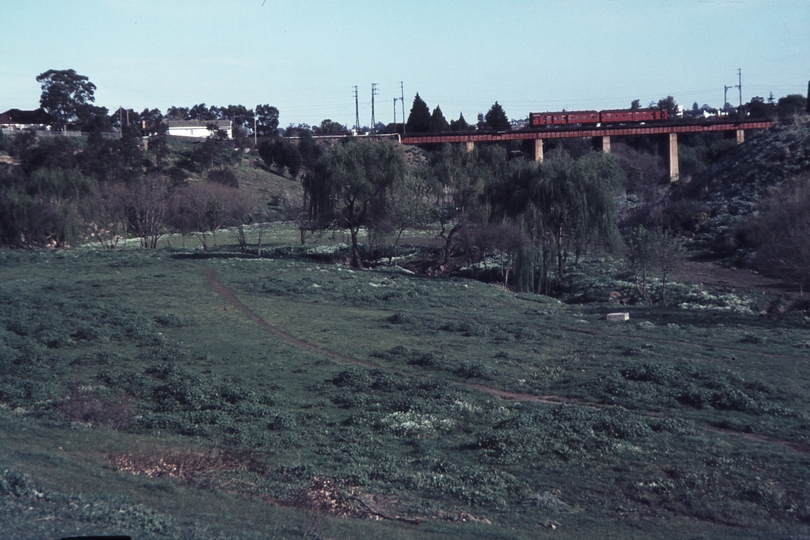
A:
{"x": 181, "y": 394}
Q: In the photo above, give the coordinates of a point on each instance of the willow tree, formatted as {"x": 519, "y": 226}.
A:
{"x": 460, "y": 179}
{"x": 350, "y": 186}
{"x": 565, "y": 206}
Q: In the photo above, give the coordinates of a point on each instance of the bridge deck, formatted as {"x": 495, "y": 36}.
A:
{"x": 568, "y": 132}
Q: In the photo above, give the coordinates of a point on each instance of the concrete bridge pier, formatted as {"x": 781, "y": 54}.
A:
{"x": 740, "y": 136}
{"x": 602, "y": 144}
{"x": 470, "y": 146}
{"x": 538, "y": 150}
{"x": 672, "y": 158}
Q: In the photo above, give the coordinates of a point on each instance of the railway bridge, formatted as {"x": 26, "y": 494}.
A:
{"x": 601, "y": 136}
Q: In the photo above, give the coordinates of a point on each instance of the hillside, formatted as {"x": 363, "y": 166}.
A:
{"x": 730, "y": 189}
{"x": 177, "y": 394}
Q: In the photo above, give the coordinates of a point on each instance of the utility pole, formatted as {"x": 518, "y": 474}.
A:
{"x": 395, "y": 110}
{"x": 255, "y": 140}
{"x": 725, "y": 94}
{"x": 739, "y": 84}
{"x": 356, "y": 112}
{"x": 373, "y": 93}
{"x": 402, "y": 101}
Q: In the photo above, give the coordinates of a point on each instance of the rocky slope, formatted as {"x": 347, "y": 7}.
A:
{"x": 731, "y": 189}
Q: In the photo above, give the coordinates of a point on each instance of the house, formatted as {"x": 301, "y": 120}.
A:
{"x": 15, "y": 119}
{"x": 198, "y": 129}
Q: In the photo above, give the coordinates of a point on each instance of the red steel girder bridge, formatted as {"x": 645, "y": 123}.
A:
{"x": 600, "y": 134}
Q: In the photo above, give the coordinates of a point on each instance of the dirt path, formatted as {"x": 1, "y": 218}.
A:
{"x": 229, "y": 295}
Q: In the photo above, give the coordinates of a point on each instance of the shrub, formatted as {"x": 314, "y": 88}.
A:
{"x": 224, "y": 176}
{"x": 84, "y": 407}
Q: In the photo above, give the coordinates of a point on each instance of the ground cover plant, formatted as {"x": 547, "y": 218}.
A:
{"x": 183, "y": 394}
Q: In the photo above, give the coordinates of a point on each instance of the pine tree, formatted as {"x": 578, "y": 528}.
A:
{"x": 460, "y": 124}
{"x": 419, "y": 119}
{"x": 437, "y": 121}
{"x": 496, "y": 119}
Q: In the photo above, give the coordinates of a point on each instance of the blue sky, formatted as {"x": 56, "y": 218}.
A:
{"x": 306, "y": 56}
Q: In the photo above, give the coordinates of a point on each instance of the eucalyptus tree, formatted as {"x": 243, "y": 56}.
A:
{"x": 65, "y": 94}
{"x": 350, "y": 186}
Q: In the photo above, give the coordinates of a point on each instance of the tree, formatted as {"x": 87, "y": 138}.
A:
{"x": 201, "y": 112}
{"x": 437, "y": 121}
{"x": 460, "y": 124}
{"x": 635, "y": 104}
{"x": 147, "y": 205}
{"x": 460, "y": 178}
{"x": 496, "y": 119}
{"x": 669, "y": 104}
{"x": 791, "y": 105}
{"x": 409, "y": 205}
{"x": 309, "y": 149}
{"x": 650, "y": 251}
{"x": 564, "y": 206}
{"x": 65, "y": 94}
{"x": 758, "y": 108}
{"x": 329, "y": 127}
{"x": 780, "y": 232}
{"x": 178, "y": 113}
{"x": 351, "y": 184}
{"x": 419, "y": 118}
{"x": 281, "y": 153}
{"x": 266, "y": 121}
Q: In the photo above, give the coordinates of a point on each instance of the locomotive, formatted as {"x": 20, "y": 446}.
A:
{"x": 613, "y": 116}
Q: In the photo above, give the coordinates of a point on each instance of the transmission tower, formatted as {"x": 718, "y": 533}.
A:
{"x": 402, "y": 100}
{"x": 395, "y": 110}
{"x": 725, "y": 94}
{"x": 373, "y": 93}
{"x": 356, "y": 112}
{"x": 739, "y": 85}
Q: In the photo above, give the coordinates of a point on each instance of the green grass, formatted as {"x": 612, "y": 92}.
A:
{"x": 679, "y": 423}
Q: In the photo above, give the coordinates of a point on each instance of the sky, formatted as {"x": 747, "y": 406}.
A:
{"x": 305, "y": 57}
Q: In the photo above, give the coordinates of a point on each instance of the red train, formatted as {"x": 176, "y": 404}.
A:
{"x": 596, "y": 117}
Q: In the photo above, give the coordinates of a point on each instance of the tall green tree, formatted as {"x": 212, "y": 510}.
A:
{"x": 266, "y": 121}
{"x": 65, "y": 94}
{"x": 419, "y": 118}
{"x": 565, "y": 207}
{"x": 330, "y": 127}
{"x": 351, "y": 183}
{"x": 460, "y": 179}
{"x": 669, "y": 104}
{"x": 496, "y": 119}
{"x": 790, "y": 105}
{"x": 460, "y": 124}
{"x": 438, "y": 123}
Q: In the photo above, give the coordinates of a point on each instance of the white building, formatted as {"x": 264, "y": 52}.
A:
{"x": 198, "y": 129}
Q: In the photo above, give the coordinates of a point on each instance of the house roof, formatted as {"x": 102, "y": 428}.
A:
{"x": 220, "y": 124}
{"x": 18, "y": 117}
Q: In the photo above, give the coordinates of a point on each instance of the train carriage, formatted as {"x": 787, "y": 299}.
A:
{"x": 612, "y": 116}
{"x": 583, "y": 117}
